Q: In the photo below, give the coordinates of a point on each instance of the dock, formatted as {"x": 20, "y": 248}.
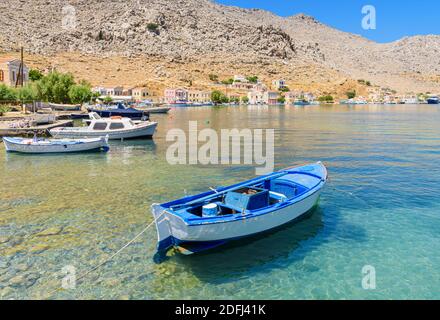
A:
{"x": 6, "y": 130}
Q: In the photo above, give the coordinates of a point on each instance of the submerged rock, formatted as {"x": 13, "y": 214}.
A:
{"x": 4, "y": 239}
{"x": 6, "y": 292}
{"x": 53, "y": 231}
{"x": 39, "y": 248}
{"x": 17, "y": 281}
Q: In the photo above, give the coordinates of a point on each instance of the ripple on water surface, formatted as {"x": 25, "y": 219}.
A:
{"x": 381, "y": 208}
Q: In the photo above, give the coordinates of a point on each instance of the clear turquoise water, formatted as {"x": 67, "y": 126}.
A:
{"x": 381, "y": 208}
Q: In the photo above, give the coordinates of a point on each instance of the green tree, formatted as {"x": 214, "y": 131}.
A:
{"x": 55, "y": 87}
{"x": 7, "y": 93}
{"x": 245, "y": 99}
{"x": 218, "y": 97}
{"x": 282, "y": 100}
{"x": 326, "y": 98}
{"x": 235, "y": 100}
{"x": 351, "y": 94}
{"x": 27, "y": 93}
{"x": 252, "y": 79}
{"x": 213, "y": 77}
{"x": 35, "y": 75}
{"x": 284, "y": 89}
{"x": 108, "y": 99}
{"x": 228, "y": 81}
{"x": 80, "y": 93}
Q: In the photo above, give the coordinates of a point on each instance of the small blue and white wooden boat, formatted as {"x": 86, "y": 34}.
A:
{"x": 197, "y": 223}
{"x": 55, "y": 145}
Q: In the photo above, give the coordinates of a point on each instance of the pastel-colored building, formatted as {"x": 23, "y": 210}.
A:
{"x": 10, "y": 72}
{"x": 140, "y": 93}
{"x": 240, "y": 78}
{"x": 271, "y": 97}
{"x": 175, "y": 96}
{"x": 256, "y": 97}
{"x": 199, "y": 96}
{"x": 279, "y": 84}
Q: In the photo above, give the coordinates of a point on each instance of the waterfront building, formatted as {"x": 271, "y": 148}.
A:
{"x": 140, "y": 93}
{"x": 176, "y": 96}
{"x": 199, "y": 96}
{"x": 10, "y": 71}
{"x": 271, "y": 97}
{"x": 279, "y": 84}
{"x": 256, "y": 97}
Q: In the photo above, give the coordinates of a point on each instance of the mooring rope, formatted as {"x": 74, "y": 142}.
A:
{"x": 85, "y": 274}
{"x": 350, "y": 194}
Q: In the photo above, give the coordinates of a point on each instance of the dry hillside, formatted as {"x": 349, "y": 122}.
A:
{"x": 180, "y": 42}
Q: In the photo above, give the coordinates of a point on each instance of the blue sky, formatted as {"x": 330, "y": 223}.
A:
{"x": 395, "y": 19}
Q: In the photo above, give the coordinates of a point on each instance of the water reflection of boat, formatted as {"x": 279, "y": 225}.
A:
{"x": 256, "y": 253}
{"x": 201, "y": 222}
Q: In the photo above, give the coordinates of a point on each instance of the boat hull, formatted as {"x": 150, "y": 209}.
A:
{"x": 293, "y": 193}
{"x": 118, "y": 113}
{"x": 224, "y": 232}
{"x": 433, "y": 101}
{"x": 145, "y": 131}
{"x": 13, "y": 145}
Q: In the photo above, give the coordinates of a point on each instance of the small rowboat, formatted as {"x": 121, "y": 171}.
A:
{"x": 55, "y": 145}
{"x": 198, "y": 223}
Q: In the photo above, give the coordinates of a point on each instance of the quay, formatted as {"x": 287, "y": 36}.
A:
{"x": 6, "y": 130}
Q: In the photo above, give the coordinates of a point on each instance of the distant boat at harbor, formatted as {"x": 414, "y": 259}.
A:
{"x": 300, "y": 102}
{"x": 150, "y": 108}
{"x": 39, "y": 146}
{"x": 118, "y": 110}
{"x": 201, "y": 222}
{"x": 64, "y": 107}
{"x": 433, "y": 100}
{"x": 117, "y": 128}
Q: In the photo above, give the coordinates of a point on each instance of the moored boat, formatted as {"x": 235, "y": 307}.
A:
{"x": 65, "y": 107}
{"x": 36, "y": 145}
{"x": 116, "y": 128}
{"x": 118, "y": 110}
{"x": 197, "y": 223}
{"x": 300, "y": 102}
{"x": 433, "y": 100}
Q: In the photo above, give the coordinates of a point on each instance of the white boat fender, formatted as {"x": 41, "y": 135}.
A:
{"x": 210, "y": 210}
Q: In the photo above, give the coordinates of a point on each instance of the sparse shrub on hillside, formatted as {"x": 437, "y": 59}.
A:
{"x": 213, "y": 77}
{"x": 153, "y": 27}
{"x": 252, "y": 79}
{"x": 351, "y": 94}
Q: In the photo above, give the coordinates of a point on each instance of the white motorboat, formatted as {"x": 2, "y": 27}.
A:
{"x": 36, "y": 145}
{"x": 116, "y": 128}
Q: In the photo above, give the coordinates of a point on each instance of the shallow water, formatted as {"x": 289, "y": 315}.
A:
{"x": 381, "y": 208}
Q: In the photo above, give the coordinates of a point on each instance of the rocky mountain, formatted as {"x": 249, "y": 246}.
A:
{"x": 202, "y": 30}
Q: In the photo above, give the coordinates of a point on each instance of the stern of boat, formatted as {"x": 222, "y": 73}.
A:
{"x": 165, "y": 239}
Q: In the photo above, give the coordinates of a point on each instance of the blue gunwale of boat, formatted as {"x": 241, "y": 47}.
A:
{"x": 197, "y": 221}
{"x": 207, "y": 245}
{"x": 53, "y": 142}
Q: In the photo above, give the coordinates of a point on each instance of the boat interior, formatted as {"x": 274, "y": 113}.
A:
{"x": 245, "y": 199}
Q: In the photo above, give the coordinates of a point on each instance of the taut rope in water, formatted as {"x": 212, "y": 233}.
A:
{"x": 82, "y": 276}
